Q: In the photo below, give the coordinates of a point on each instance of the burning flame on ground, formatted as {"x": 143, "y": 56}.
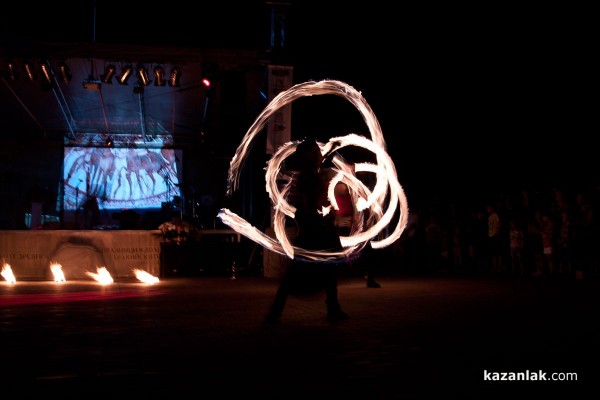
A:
{"x": 102, "y": 276}
{"x": 8, "y": 274}
{"x": 57, "y": 272}
{"x": 381, "y": 201}
{"x": 144, "y": 276}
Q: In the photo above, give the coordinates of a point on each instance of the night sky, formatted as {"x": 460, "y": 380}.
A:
{"x": 469, "y": 98}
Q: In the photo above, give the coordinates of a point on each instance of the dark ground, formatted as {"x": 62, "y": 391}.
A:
{"x": 417, "y": 337}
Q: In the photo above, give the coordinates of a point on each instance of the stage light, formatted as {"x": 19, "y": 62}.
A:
{"x": 12, "y": 70}
{"x": 46, "y": 71}
{"x": 175, "y": 77}
{"x": 109, "y": 141}
{"x": 29, "y": 71}
{"x": 109, "y": 72}
{"x": 65, "y": 73}
{"x": 209, "y": 76}
{"x": 159, "y": 76}
{"x": 125, "y": 74}
{"x": 142, "y": 73}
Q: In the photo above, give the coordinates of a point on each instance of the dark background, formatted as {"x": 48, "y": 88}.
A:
{"x": 472, "y": 99}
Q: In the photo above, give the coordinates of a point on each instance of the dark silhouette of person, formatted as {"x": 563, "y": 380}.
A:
{"x": 343, "y": 222}
{"x": 92, "y": 212}
{"x": 315, "y": 232}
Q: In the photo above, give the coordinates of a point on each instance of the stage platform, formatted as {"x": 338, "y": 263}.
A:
{"x": 31, "y": 252}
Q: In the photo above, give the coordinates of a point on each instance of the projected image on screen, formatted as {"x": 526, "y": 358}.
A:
{"x": 120, "y": 178}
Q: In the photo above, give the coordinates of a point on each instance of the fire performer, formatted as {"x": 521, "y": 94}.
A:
{"x": 316, "y": 231}
{"x": 383, "y": 206}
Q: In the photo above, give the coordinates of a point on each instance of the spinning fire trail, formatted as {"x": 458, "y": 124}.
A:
{"x": 383, "y": 208}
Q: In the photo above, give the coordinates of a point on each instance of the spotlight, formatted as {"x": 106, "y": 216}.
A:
{"x": 29, "y": 71}
{"x": 175, "y": 77}
{"x": 159, "y": 76}
{"x": 12, "y": 70}
{"x": 125, "y": 74}
{"x": 109, "y": 141}
{"x": 46, "y": 71}
{"x": 65, "y": 73}
{"x": 209, "y": 76}
{"x": 109, "y": 72}
{"x": 142, "y": 73}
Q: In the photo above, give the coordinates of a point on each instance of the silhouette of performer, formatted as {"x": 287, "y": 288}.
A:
{"x": 315, "y": 232}
{"x": 92, "y": 212}
{"x": 343, "y": 222}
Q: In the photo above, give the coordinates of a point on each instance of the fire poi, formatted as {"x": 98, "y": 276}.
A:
{"x": 380, "y": 206}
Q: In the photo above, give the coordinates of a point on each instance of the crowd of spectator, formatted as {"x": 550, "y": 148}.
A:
{"x": 529, "y": 233}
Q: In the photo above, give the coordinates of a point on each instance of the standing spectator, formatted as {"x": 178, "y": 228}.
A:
{"x": 433, "y": 243}
{"x": 564, "y": 244}
{"x": 476, "y": 238}
{"x": 559, "y": 203}
{"x": 517, "y": 242}
{"x": 456, "y": 239}
{"x": 534, "y": 242}
{"x": 411, "y": 241}
{"x": 494, "y": 239}
{"x": 344, "y": 219}
{"x": 548, "y": 243}
{"x": 583, "y": 231}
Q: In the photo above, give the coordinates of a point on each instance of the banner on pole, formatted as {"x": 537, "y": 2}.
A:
{"x": 279, "y": 128}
